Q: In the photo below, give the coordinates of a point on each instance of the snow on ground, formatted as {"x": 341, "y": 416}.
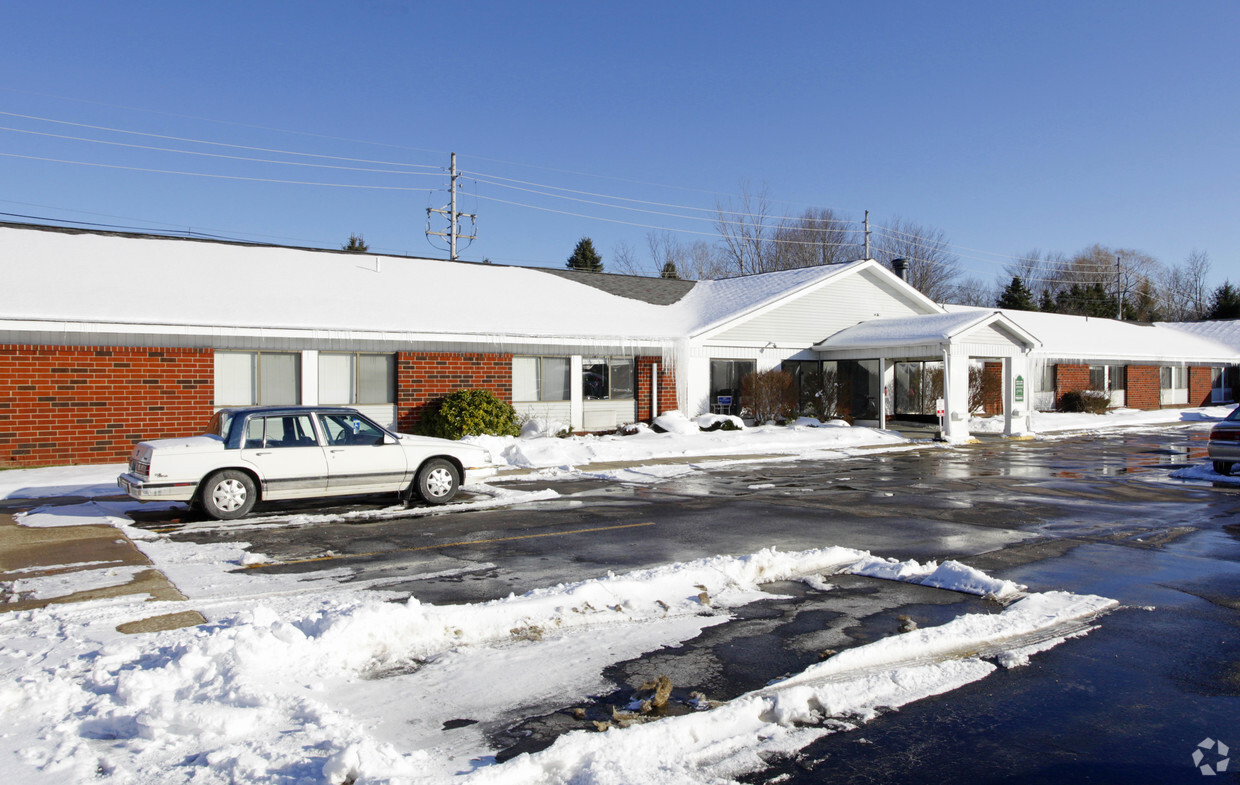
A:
{"x": 1055, "y": 422}
{"x": 315, "y": 678}
{"x": 682, "y": 438}
{"x": 339, "y": 685}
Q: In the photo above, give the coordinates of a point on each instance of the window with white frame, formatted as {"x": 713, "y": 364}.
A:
{"x": 357, "y": 378}
{"x": 1172, "y": 377}
{"x": 607, "y": 378}
{"x": 257, "y": 378}
{"x": 540, "y": 379}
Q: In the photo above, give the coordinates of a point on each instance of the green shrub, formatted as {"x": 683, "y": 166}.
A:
{"x": 470, "y": 413}
{"x": 1089, "y": 401}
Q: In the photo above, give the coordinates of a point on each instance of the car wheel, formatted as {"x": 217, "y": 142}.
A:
{"x": 437, "y": 481}
{"x": 1222, "y": 467}
{"x": 228, "y": 495}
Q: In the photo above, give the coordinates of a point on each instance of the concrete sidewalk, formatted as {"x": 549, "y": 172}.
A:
{"x": 29, "y": 552}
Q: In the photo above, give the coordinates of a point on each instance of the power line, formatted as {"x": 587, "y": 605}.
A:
{"x": 217, "y": 176}
{"x": 216, "y": 155}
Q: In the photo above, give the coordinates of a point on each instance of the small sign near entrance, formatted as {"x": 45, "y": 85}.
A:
{"x": 1020, "y": 388}
{"x": 939, "y": 408}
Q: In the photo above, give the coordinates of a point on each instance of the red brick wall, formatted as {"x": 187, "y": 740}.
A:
{"x": 89, "y": 404}
{"x": 1144, "y": 389}
{"x": 1069, "y": 378}
{"x": 422, "y": 377}
{"x": 992, "y": 388}
{"x": 1200, "y": 385}
{"x": 667, "y": 387}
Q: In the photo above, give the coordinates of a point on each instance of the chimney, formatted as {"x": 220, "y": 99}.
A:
{"x": 899, "y": 266}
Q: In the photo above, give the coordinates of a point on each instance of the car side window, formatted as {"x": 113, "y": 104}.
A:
{"x": 345, "y": 429}
{"x": 280, "y": 431}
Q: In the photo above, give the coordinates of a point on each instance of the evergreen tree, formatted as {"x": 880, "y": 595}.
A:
{"x": 585, "y": 257}
{"x": 669, "y": 271}
{"x": 355, "y": 245}
{"x": 1047, "y": 302}
{"x": 1226, "y": 302}
{"x": 1016, "y": 296}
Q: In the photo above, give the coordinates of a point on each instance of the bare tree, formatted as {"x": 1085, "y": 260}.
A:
{"x": 624, "y": 260}
{"x": 1184, "y": 289}
{"x": 932, "y": 268}
{"x": 1038, "y": 271}
{"x": 745, "y": 231}
{"x": 818, "y": 237}
{"x": 693, "y": 261}
{"x": 972, "y": 291}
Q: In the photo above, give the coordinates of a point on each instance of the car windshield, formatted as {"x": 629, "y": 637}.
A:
{"x": 1235, "y": 414}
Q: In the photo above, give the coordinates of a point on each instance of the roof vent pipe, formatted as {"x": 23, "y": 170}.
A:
{"x": 899, "y": 266}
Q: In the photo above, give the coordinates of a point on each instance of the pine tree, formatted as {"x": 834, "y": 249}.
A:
{"x": 669, "y": 271}
{"x": 1047, "y": 302}
{"x": 1226, "y": 302}
{"x": 585, "y": 257}
{"x": 355, "y": 245}
{"x": 1016, "y": 296}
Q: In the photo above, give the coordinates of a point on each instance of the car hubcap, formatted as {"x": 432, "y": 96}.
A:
{"x": 439, "y": 482}
{"x": 229, "y": 495}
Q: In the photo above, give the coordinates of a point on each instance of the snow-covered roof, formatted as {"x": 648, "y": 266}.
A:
{"x": 1091, "y": 338}
{"x": 909, "y": 330}
{"x": 1224, "y": 331}
{"x": 714, "y": 302}
{"x": 54, "y": 274}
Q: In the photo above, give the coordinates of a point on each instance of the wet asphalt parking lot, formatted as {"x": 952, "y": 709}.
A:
{"x": 1088, "y": 514}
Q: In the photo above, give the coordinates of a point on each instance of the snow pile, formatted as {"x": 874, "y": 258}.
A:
{"x": 1050, "y": 422}
{"x": 685, "y": 437}
{"x": 342, "y": 686}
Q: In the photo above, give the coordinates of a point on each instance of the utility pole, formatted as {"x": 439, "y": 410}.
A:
{"x": 867, "y": 234}
{"x": 1120, "y": 288}
{"x": 454, "y": 218}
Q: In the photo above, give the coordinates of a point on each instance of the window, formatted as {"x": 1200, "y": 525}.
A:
{"x": 1046, "y": 379}
{"x": 357, "y": 378}
{"x": 607, "y": 378}
{"x": 1117, "y": 375}
{"x": 250, "y": 378}
{"x": 725, "y": 384}
{"x": 1171, "y": 377}
{"x": 280, "y": 432}
{"x": 540, "y": 378}
{"x": 1098, "y": 377}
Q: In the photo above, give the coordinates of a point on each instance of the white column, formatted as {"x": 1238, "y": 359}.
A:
{"x": 575, "y": 408}
{"x": 1017, "y": 396}
{"x": 310, "y": 377}
{"x": 955, "y": 396}
{"x": 884, "y": 370}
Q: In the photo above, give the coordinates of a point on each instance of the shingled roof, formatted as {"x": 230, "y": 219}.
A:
{"x": 656, "y": 291}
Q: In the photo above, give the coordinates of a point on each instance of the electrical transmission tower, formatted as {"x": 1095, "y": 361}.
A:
{"x": 454, "y": 218}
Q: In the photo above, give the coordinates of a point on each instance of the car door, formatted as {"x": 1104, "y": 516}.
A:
{"x": 361, "y": 457}
{"x": 286, "y": 451}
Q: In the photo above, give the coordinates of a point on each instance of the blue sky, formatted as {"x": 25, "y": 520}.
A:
{"x": 1010, "y": 126}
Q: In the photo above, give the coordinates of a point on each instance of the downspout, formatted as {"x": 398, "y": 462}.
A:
{"x": 654, "y": 390}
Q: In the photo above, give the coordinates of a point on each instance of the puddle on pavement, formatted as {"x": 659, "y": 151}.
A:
{"x": 765, "y": 641}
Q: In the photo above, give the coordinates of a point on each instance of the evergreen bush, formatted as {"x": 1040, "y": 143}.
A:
{"x": 1089, "y": 401}
{"x": 470, "y": 413}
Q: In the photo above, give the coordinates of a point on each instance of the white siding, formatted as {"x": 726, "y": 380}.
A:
{"x": 825, "y": 311}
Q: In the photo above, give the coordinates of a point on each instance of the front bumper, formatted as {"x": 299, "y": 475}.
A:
{"x": 144, "y": 490}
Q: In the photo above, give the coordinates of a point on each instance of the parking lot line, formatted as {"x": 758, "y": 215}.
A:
{"x": 333, "y": 557}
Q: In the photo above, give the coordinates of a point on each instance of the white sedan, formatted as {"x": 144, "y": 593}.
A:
{"x": 297, "y": 452}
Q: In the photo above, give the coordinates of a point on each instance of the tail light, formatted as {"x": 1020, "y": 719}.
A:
{"x": 1228, "y": 435}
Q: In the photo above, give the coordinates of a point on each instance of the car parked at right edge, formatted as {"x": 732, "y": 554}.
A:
{"x": 1224, "y": 446}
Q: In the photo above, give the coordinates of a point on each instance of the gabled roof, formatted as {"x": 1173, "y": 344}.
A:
{"x": 728, "y": 301}
{"x": 656, "y": 291}
{"x": 1091, "y": 338}
{"x": 930, "y": 329}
